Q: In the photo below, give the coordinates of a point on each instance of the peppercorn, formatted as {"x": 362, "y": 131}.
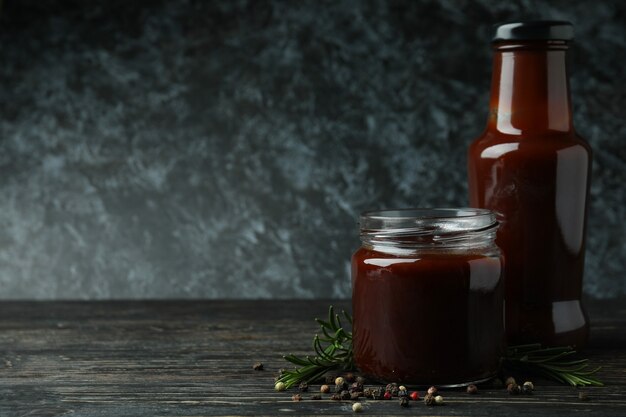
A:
{"x": 345, "y": 395}
{"x": 404, "y": 402}
{"x": 415, "y": 395}
{"x": 335, "y": 397}
{"x": 355, "y": 395}
{"x": 356, "y": 387}
{"x": 324, "y": 389}
{"x": 296, "y": 397}
{"x": 583, "y": 396}
{"x": 432, "y": 390}
{"x": 392, "y": 388}
{"x": 303, "y": 387}
{"x": 367, "y": 393}
{"x": 257, "y": 366}
{"x": 360, "y": 380}
{"x": 509, "y": 380}
{"x": 349, "y": 377}
{"x": 429, "y": 399}
{"x": 340, "y": 384}
{"x": 513, "y": 389}
{"x": 378, "y": 394}
{"x": 280, "y": 386}
{"x": 472, "y": 389}
{"x": 439, "y": 400}
{"x": 316, "y": 397}
{"x": 387, "y": 395}
{"x": 528, "y": 387}
{"x": 357, "y": 407}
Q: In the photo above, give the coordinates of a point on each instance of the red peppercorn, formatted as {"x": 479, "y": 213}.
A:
{"x": 415, "y": 395}
{"x": 387, "y": 395}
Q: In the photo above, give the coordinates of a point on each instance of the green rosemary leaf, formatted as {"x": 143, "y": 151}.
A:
{"x": 323, "y": 324}
{"x": 295, "y": 360}
{"x": 324, "y": 353}
{"x": 331, "y": 318}
{"x": 338, "y": 322}
{"x": 553, "y": 358}
{"x": 347, "y": 316}
{"x": 552, "y": 363}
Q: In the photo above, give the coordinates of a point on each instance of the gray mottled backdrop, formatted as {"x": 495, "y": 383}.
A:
{"x": 224, "y": 149}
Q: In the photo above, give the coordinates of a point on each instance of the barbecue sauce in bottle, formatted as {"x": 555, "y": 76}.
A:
{"x": 533, "y": 169}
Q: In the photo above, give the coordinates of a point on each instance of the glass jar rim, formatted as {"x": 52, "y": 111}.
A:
{"x": 426, "y": 221}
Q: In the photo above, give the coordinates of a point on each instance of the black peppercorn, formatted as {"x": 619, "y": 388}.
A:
{"x": 404, "y": 401}
{"x": 303, "y": 387}
{"x": 335, "y": 397}
{"x": 356, "y": 387}
{"x": 367, "y": 393}
{"x": 345, "y": 395}
{"x": 355, "y": 395}
{"x": 378, "y": 394}
{"x": 257, "y": 366}
{"x": 360, "y": 380}
{"x": 429, "y": 399}
{"x": 392, "y": 388}
{"x": 316, "y": 397}
{"x": 349, "y": 377}
{"x": 472, "y": 389}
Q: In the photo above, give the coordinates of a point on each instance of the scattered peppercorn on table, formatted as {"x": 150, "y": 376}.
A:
{"x": 196, "y": 358}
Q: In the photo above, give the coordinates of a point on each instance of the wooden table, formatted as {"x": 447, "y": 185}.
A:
{"x": 194, "y": 358}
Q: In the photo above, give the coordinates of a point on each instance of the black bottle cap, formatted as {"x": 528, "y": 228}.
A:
{"x": 548, "y": 30}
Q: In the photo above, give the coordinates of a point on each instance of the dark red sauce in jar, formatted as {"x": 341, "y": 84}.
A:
{"x": 428, "y": 296}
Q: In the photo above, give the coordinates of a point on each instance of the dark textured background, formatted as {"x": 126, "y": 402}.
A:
{"x": 224, "y": 149}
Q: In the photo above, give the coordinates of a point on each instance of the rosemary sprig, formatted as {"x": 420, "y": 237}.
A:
{"x": 556, "y": 363}
{"x": 333, "y": 351}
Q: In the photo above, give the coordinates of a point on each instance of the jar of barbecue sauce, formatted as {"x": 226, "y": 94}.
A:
{"x": 532, "y": 169}
{"x": 427, "y": 296}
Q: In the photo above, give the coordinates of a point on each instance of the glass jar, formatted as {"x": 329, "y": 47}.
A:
{"x": 427, "y": 296}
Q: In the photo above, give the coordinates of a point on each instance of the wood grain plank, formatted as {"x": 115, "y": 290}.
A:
{"x": 194, "y": 358}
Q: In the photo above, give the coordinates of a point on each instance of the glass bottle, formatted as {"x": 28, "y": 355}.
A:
{"x": 532, "y": 168}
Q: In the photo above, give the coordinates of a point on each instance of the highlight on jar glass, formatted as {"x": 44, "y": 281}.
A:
{"x": 427, "y": 296}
